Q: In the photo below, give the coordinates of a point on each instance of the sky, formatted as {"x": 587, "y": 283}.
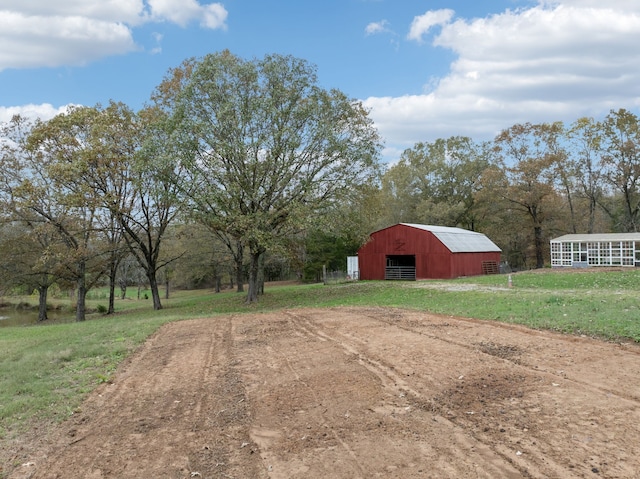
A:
{"x": 425, "y": 69}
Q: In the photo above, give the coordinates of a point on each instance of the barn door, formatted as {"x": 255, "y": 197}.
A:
{"x": 401, "y": 267}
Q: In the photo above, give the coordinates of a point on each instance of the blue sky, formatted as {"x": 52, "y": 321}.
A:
{"x": 426, "y": 69}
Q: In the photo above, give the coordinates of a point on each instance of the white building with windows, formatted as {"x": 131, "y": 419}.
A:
{"x": 588, "y": 250}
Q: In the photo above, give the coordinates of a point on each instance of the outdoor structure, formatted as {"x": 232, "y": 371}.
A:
{"x": 411, "y": 251}
{"x": 353, "y": 268}
{"x": 586, "y": 250}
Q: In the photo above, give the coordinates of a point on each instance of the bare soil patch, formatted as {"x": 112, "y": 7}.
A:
{"x": 354, "y": 393}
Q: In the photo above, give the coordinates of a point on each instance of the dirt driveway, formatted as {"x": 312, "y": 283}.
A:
{"x": 355, "y": 393}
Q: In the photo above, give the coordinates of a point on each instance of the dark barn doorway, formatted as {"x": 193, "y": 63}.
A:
{"x": 401, "y": 267}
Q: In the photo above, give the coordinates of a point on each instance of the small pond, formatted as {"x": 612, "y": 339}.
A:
{"x": 13, "y": 317}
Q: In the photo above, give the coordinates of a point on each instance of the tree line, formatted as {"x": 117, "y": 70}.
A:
{"x": 238, "y": 169}
{"x": 531, "y": 183}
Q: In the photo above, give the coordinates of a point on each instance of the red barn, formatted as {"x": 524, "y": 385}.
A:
{"x": 410, "y": 251}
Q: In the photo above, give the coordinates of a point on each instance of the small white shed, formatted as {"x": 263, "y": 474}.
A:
{"x": 353, "y": 270}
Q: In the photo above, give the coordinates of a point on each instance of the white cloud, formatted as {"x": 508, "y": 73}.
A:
{"x": 158, "y": 39}
{"x": 49, "y": 33}
{"x": 423, "y": 23}
{"x": 554, "y": 61}
{"x": 127, "y": 11}
{"x": 44, "y": 111}
{"x": 626, "y": 5}
{"x": 183, "y": 12}
{"x": 214, "y": 16}
{"x": 35, "y": 41}
{"x": 376, "y": 27}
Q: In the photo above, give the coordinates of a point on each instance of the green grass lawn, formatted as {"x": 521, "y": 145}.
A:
{"x": 47, "y": 369}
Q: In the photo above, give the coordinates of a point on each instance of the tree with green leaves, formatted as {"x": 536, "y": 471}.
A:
{"x": 620, "y": 149}
{"x": 207, "y": 261}
{"x": 267, "y": 150}
{"x": 522, "y": 179}
{"x": 127, "y": 177}
{"x": 399, "y": 195}
{"x": 551, "y": 138}
{"x": 585, "y": 140}
{"x": 148, "y": 169}
{"x": 435, "y": 183}
{"x": 26, "y": 260}
{"x": 46, "y": 194}
{"x": 26, "y": 242}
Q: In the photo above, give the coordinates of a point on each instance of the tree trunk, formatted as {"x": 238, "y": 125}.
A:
{"x": 254, "y": 272}
{"x": 261, "y": 275}
{"x": 631, "y": 211}
{"x": 539, "y": 247}
{"x": 153, "y": 285}
{"x": 572, "y": 211}
{"x": 592, "y": 214}
{"x": 238, "y": 256}
{"x": 112, "y": 287}
{"x": 81, "y": 283}
{"x": 42, "y": 302}
{"x": 166, "y": 288}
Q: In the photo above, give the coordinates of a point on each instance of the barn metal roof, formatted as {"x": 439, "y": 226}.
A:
{"x": 459, "y": 240}
{"x": 582, "y": 238}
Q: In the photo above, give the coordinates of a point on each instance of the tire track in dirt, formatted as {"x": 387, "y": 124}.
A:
{"x": 289, "y": 433}
{"x": 459, "y": 441}
{"x": 388, "y": 378}
{"x": 389, "y": 417}
{"x": 502, "y": 351}
{"x": 176, "y": 409}
{"x": 539, "y": 460}
{"x": 335, "y": 435}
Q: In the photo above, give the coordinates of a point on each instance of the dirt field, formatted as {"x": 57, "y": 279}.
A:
{"x": 355, "y": 393}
